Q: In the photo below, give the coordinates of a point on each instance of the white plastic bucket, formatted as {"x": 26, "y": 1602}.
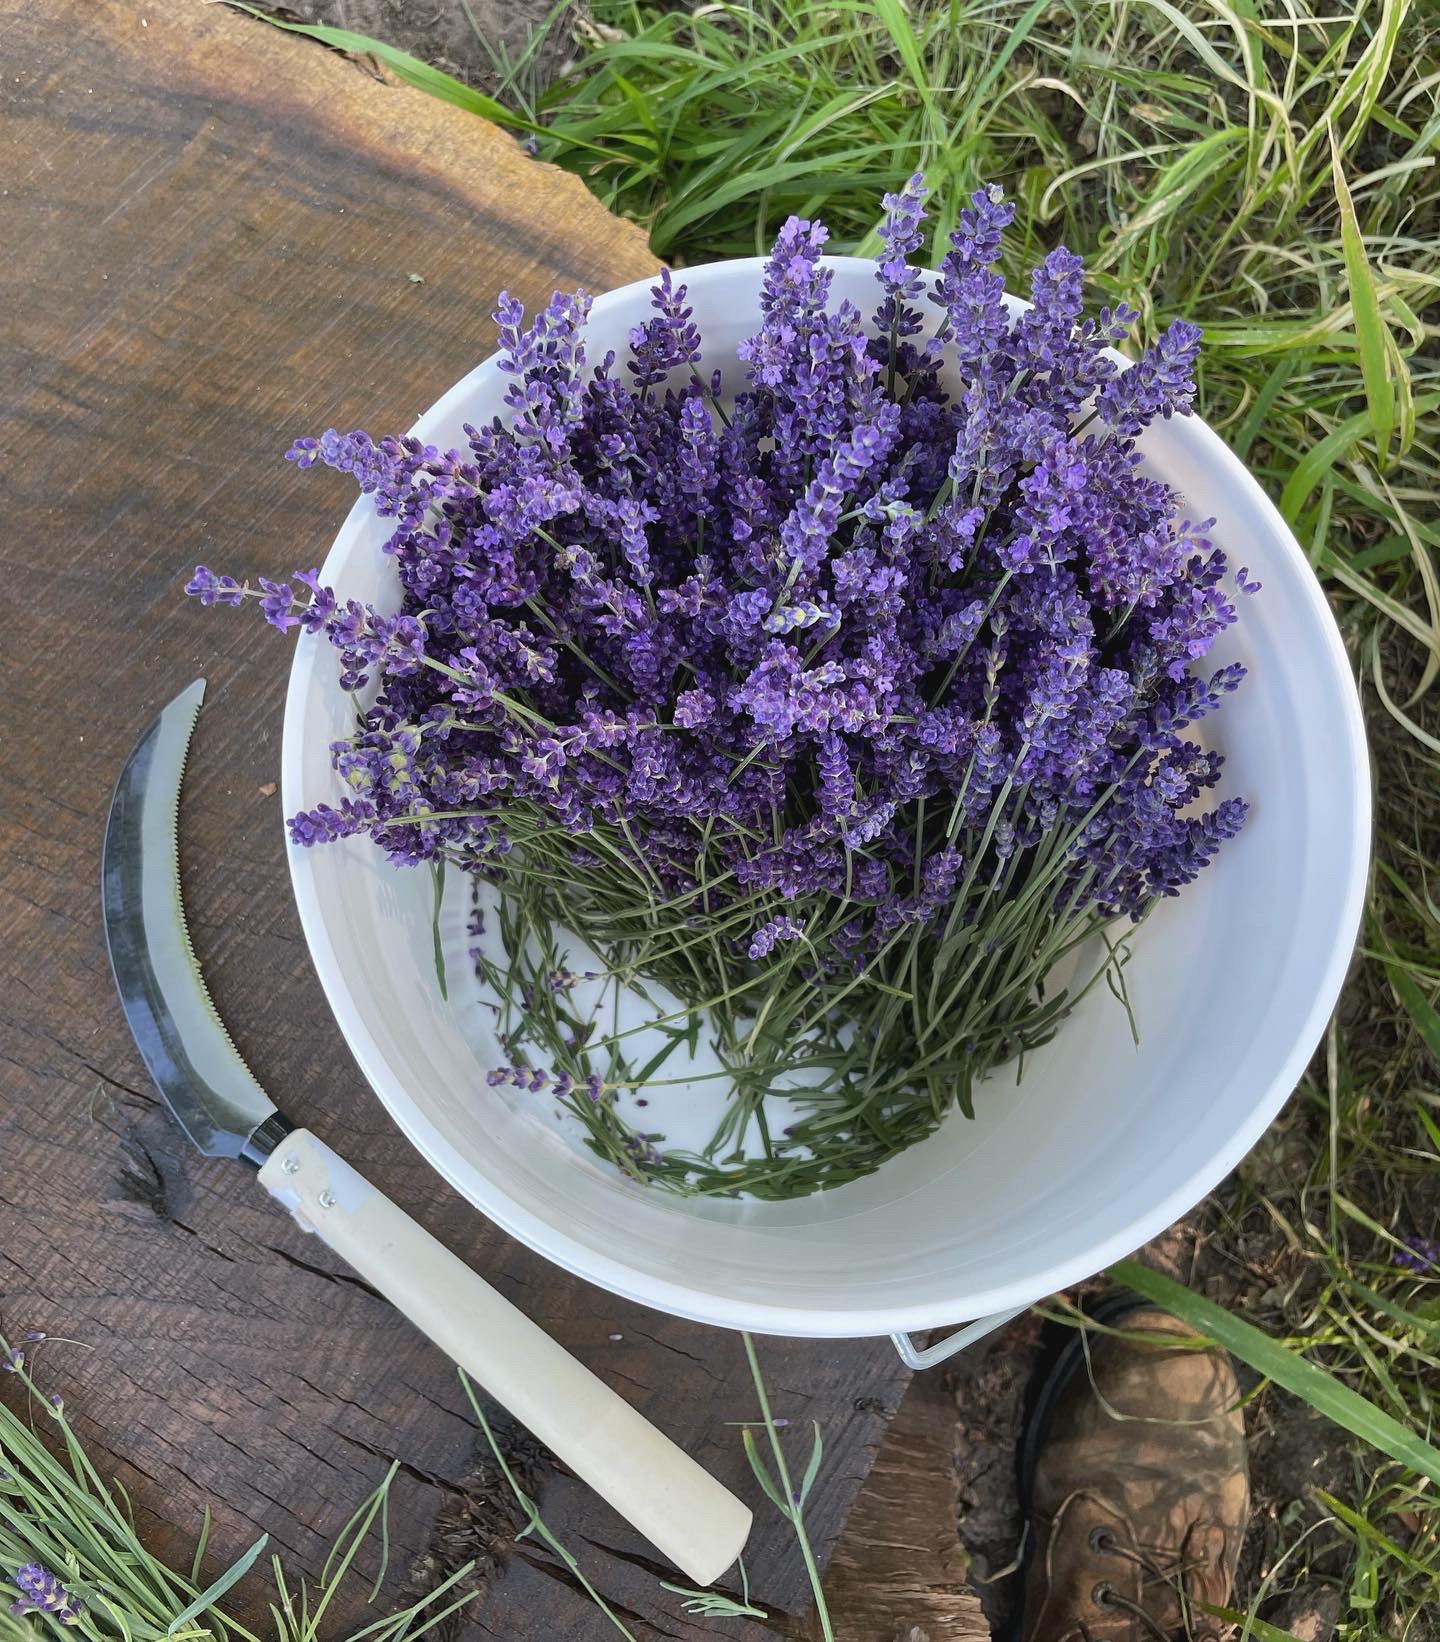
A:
{"x": 1100, "y": 1147}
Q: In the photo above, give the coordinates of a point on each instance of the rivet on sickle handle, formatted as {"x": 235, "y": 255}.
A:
{"x": 213, "y": 1095}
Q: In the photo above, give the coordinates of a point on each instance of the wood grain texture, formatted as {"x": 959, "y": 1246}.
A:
{"x": 209, "y": 232}
{"x": 898, "y": 1573}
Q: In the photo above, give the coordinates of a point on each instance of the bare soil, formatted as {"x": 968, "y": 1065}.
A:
{"x": 475, "y": 40}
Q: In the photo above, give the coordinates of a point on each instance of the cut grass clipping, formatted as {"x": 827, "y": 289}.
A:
{"x": 59, "y": 1515}
{"x": 1270, "y": 171}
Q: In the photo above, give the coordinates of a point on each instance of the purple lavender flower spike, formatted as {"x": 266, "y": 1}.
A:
{"x": 533, "y": 1078}
{"x": 313, "y": 616}
{"x": 694, "y": 709}
{"x": 769, "y": 935}
{"x": 548, "y": 359}
{"x": 324, "y": 824}
{"x": 901, "y": 237}
{"x": 791, "y": 301}
{"x": 1160, "y": 383}
{"x": 971, "y": 295}
{"x": 897, "y": 318}
{"x": 209, "y": 588}
{"x": 1420, "y": 1254}
{"x": 277, "y": 604}
{"x": 42, "y": 1592}
{"x": 1044, "y": 331}
{"x": 663, "y": 344}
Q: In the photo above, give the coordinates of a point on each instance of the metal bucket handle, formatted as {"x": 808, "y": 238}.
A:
{"x": 917, "y": 1357}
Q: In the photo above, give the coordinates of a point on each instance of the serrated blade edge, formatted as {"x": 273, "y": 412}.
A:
{"x": 208, "y": 1087}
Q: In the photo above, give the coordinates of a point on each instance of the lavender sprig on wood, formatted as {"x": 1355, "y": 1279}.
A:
{"x": 843, "y": 709}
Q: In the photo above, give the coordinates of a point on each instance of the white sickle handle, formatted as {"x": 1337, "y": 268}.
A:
{"x": 679, "y": 1507}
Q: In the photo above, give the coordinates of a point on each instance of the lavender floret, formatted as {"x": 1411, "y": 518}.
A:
{"x": 42, "y": 1592}
{"x": 1420, "y": 1254}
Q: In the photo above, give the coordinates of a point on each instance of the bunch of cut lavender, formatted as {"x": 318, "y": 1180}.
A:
{"x": 843, "y": 708}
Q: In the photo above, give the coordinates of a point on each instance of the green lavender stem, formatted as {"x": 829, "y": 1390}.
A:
{"x": 792, "y": 1505}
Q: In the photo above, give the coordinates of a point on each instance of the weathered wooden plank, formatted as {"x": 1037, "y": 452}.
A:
{"x": 898, "y": 1572}
{"x": 210, "y": 230}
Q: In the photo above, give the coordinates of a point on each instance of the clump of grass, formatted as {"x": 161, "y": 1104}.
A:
{"x": 68, "y": 1537}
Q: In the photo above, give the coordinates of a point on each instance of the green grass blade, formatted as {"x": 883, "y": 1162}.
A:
{"x": 1371, "y": 334}
{"x": 1429, "y": 1125}
{"x": 1419, "y": 1008}
{"x": 1259, "y": 412}
{"x": 1173, "y": 189}
{"x": 812, "y": 1469}
{"x": 1252, "y": 1627}
{"x": 1015, "y": 38}
{"x": 1410, "y": 1322}
{"x": 1318, "y": 461}
{"x": 1197, "y": 42}
{"x": 762, "y": 1472}
{"x": 1377, "y": 59}
{"x": 410, "y": 69}
{"x": 756, "y": 181}
{"x": 894, "y": 17}
{"x": 435, "y": 936}
{"x": 1312, "y": 1384}
{"x": 201, "y": 1543}
{"x": 213, "y": 1592}
{"x": 1358, "y": 1525}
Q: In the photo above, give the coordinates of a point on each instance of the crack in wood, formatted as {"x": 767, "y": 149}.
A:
{"x": 347, "y": 1279}
{"x": 646, "y": 1564}
{"x": 679, "y": 1351}
{"x": 140, "y": 1180}
{"x": 417, "y": 1473}
{"x": 658, "y": 1570}
{"x": 204, "y": 1242}
{"x": 151, "y": 1099}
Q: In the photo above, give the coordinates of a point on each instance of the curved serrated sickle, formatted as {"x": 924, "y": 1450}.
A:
{"x": 211, "y": 1091}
